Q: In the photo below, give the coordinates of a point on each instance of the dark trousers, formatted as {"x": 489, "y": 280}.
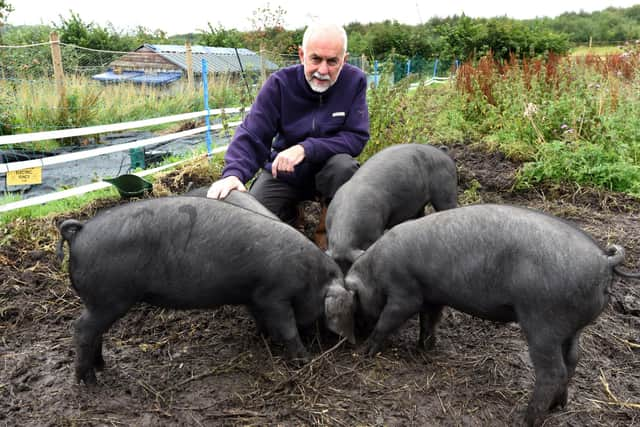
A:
{"x": 282, "y": 198}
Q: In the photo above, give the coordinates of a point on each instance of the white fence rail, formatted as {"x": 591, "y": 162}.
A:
{"x": 430, "y": 82}
{"x": 69, "y": 157}
{"x": 62, "y": 158}
{"x": 77, "y": 191}
{"x": 114, "y": 127}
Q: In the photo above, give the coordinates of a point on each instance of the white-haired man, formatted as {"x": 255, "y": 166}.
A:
{"x": 305, "y": 128}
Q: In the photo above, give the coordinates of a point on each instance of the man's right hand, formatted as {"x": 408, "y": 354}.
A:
{"x": 222, "y": 187}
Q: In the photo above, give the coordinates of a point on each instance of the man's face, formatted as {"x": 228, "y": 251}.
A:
{"x": 323, "y": 61}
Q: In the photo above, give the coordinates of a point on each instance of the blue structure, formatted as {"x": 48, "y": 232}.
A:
{"x": 140, "y": 77}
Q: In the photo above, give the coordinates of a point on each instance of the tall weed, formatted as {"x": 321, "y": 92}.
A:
{"x": 426, "y": 114}
{"x": 33, "y": 106}
{"x": 568, "y": 119}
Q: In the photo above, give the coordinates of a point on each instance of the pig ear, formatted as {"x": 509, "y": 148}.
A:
{"x": 339, "y": 311}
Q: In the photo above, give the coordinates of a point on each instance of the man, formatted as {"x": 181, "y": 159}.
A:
{"x": 305, "y": 128}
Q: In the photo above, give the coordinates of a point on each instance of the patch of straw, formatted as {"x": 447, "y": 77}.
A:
{"x": 613, "y": 400}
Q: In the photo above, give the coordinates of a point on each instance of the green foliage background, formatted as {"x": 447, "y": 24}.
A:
{"x": 457, "y": 36}
{"x": 567, "y": 120}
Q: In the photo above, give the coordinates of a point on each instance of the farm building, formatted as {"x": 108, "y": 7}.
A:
{"x": 158, "y": 64}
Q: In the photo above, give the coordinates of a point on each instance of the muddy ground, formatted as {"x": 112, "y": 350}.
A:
{"x": 169, "y": 367}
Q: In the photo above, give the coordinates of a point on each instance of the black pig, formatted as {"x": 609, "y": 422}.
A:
{"x": 496, "y": 262}
{"x": 197, "y": 253}
{"x": 239, "y": 198}
{"x": 392, "y": 186}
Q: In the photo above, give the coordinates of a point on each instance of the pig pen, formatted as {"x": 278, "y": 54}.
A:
{"x": 167, "y": 367}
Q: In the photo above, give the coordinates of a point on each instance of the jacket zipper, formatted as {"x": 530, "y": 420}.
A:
{"x": 313, "y": 122}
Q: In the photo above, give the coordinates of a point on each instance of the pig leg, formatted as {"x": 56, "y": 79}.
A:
{"x": 394, "y": 314}
{"x": 429, "y": 318}
{"x": 280, "y": 322}
{"x": 98, "y": 360}
{"x": 89, "y": 328}
{"x": 570, "y": 349}
{"x": 260, "y": 325}
{"x": 551, "y": 374}
{"x": 570, "y": 356}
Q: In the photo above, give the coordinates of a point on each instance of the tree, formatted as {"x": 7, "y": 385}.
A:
{"x": 26, "y": 63}
{"x": 75, "y": 31}
{"x": 220, "y": 37}
{"x": 269, "y": 33}
{"x": 145, "y": 35}
{"x": 5, "y": 10}
{"x": 463, "y": 37}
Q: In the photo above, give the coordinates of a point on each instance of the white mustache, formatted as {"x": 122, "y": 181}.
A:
{"x": 319, "y": 76}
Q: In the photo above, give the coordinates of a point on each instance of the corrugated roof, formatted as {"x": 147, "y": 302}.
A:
{"x": 219, "y": 59}
{"x": 162, "y": 64}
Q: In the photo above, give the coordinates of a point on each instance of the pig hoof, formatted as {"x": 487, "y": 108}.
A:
{"x": 300, "y": 359}
{"x": 298, "y": 355}
{"x": 371, "y": 348}
{"x": 534, "y": 418}
{"x": 88, "y": 378}
{"x": 99, "y": 364}
{"x": 560, "y": 400}
{"x": 428, "y": 344}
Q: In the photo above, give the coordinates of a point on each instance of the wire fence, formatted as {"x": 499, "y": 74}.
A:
{"x": 50, "y": 92}
{"x": 34, "y": 61}
{"x": 31, "y": 99}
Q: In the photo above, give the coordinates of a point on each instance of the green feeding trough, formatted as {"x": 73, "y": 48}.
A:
{"x": 130, "y": 185}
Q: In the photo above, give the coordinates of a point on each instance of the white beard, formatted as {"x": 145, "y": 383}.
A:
{"x": 318, "y": 89}
{"x": 321, "y": 89}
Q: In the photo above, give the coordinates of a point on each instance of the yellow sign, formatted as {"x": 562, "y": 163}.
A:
{"x": 25, "y": 176}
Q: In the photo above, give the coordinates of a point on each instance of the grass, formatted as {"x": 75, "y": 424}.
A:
{"x": 57, "y": 206}
{"x": 198, "y": 166}
{"x": 595, "y": 50}
{"x": 566, "y": 119}
{"x": 34, "y": 106}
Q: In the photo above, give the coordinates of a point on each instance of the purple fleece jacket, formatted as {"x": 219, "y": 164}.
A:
{"x": 287, "y": 112}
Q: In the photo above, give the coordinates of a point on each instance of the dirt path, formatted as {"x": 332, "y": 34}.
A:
{"x": 169, "y": 367}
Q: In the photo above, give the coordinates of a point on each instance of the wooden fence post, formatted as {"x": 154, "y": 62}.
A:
{"x": 58, "y": 71}
{"x": 263, "y": 65}
{"x": 189, "y": 60}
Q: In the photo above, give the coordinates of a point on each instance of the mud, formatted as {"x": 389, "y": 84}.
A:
{"x": 167, "y": 367}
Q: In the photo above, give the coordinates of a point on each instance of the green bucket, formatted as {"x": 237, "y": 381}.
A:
{"x": 129, "y": 185}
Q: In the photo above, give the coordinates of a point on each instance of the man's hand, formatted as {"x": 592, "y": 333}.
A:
{"x": 222, "y": 187}
{"x": 286, "y": 160}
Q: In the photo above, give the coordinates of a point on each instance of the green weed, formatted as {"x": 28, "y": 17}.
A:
{"x": 567, "y": 119}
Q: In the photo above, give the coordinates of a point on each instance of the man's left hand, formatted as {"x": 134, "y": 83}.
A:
{"x": 286, "y": 160}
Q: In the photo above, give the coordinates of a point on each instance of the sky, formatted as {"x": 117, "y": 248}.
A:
{"x": 194, "y": 15}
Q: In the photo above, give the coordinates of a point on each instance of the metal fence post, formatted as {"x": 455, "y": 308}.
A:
{"x": 205, "y": 85}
